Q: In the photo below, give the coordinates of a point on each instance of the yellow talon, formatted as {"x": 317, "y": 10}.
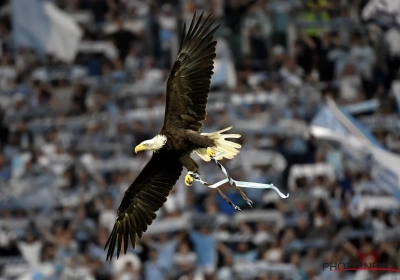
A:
{"x": 210, "y": 152}
{"x": 188, "y": 180}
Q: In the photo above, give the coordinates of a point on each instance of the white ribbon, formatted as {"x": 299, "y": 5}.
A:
{"x": 235, "y": 183}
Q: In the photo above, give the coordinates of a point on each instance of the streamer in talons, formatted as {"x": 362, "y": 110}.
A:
{"x": 234, "y": 183}
{"x": 196, "y": 177}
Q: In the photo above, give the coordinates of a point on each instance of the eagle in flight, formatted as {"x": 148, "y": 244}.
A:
{"x": 188, "y": 86}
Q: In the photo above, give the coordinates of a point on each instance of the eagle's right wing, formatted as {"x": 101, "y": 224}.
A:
{"x": 144, "y": 197}
{"x": 190, "y": 79}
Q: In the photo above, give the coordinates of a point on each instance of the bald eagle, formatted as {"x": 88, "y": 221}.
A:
{"x": 188, "y": 86}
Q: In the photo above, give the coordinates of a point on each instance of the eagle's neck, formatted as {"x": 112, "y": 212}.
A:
{"x": 158, "y": 142}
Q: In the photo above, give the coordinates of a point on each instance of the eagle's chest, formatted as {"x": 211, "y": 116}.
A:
{"x": 176, "y": 141}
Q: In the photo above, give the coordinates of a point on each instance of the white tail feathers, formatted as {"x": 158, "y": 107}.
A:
{"x": 228, "y": 148}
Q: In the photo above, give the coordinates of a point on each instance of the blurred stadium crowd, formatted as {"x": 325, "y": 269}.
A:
{"x": 67, "y": 133}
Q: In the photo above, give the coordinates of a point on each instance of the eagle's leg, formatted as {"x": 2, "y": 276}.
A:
{"x": 191, "y": 166}
{"x": 188, "y": 180}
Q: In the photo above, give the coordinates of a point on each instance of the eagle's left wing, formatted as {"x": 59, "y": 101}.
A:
{"x": 190, "y": 79}
{"x": 141, "y": 201}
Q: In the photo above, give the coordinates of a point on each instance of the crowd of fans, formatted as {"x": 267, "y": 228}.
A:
{"x": 67, "y": 134}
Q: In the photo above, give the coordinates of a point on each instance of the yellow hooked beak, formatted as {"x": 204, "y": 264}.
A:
{"x": 139, "y": 148}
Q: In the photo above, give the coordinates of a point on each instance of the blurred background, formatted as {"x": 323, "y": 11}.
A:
{"x": 313, "y": 86}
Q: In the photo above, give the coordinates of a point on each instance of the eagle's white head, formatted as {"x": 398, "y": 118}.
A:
{"x": 153, "y": 144}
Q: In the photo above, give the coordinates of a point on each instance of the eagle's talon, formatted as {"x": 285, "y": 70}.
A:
{"x": 188, "y": 180}
{"x": 210, "y": 152}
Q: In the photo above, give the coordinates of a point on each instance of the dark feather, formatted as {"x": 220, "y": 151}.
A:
{"x": 187, "y": 119}
{"x": 120, "y": 235}
{"x": 133, "y": 239}
{"x": 144, "y": 197}
{"x": 190, "y": 78}
{"x": 126, "y": 242}
{"x": 149, "y": 203}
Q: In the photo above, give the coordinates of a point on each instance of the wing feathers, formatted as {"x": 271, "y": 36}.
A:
{"x": 142, "y": 200}
{"x": 190, "y": 28}
{"x": 120, "y": 235}
{"x": 190, "y": 79}
{"x": 132, "y": 235}
{"x": 138, "y": 222}
{"x": 149, "y": 203}
{"x": 126, "y": 242}
{"x": 128, "y": 221}
{"x": 191, "y": 34}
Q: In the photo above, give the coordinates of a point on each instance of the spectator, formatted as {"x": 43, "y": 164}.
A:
{"x": 292, "y": 73}
{"x": 184, "y": 259}
{"x": 24, "y": 136}
{"x": 363, "y": 55}
{"x": 5, "y": 170}
{"x": 30, "y": 249}
{"x": 244, "y": 254}
{"x": 4, "y": 131}
{"x": 75, "y": 270}
{"x": 153, "y": 271}
{"x": 129, "y": 273}
{"x": 123, "y": 39}
{"x": 165, "y": 251}
{"x": 350, "y": 85}
{"x": 204, "y": 244}
{"x": 226, "y": 271}
{"x": 107, "y": 215}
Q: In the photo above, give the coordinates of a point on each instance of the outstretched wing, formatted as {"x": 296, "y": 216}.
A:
{"x": 144, "y": 197}
{"x": 190, "y": 79}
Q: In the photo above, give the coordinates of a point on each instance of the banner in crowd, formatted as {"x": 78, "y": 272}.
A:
{"x": 224, "y": 73}
{"x": 41, "y": 25}
{"x": 363, "y": 106}
{"x": 384, "y": 11}
{"x": 382, "y": 122}
{"x": 383, "y": 165}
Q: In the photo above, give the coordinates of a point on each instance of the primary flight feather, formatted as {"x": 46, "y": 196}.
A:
{"x": 188, "y": 86}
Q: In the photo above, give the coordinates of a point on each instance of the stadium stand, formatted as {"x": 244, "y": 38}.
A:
{"x": 284, "y": 69}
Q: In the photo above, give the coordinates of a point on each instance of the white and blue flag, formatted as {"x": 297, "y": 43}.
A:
{"x": 41, "y": 25}
{"x": 384, "y": 166}
{"x": 224, "y": 69}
